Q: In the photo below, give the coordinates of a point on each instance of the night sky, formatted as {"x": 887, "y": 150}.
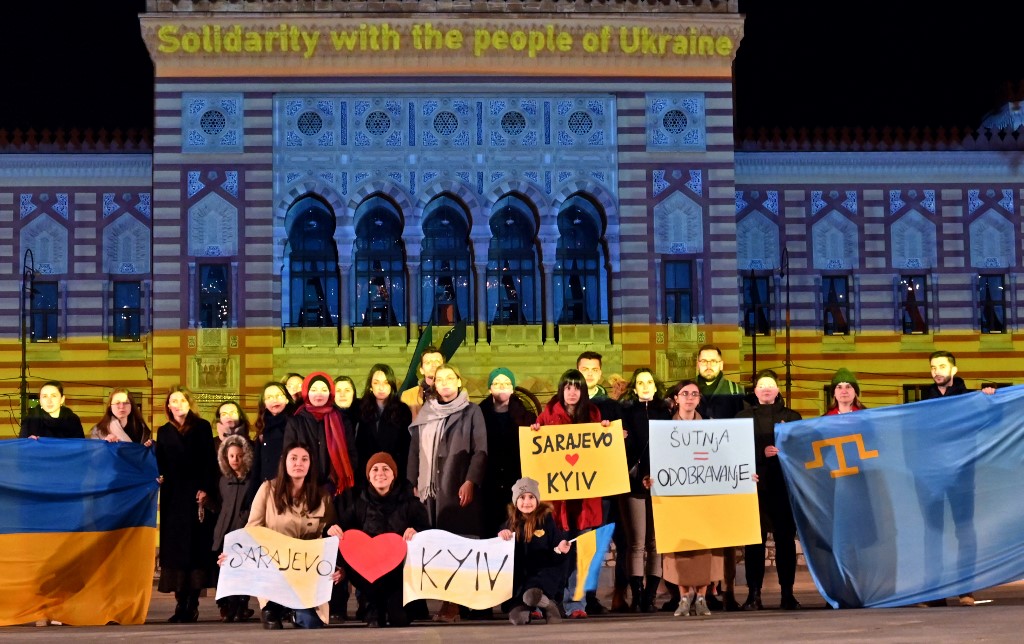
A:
{"x": 74, "y": 64}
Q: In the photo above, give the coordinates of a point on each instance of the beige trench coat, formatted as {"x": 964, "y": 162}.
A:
{"x": 294, "y": 522}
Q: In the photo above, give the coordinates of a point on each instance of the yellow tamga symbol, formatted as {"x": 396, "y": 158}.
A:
{"x": 837, "y": 444}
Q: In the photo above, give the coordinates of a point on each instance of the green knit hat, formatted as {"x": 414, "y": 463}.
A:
{"x": 845, "y": 375}
{"x": 501, "y": 371}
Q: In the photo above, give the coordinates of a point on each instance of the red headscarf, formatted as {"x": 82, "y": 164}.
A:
{"x": 334, "y": 431}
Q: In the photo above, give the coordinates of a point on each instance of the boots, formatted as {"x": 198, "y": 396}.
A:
{"x": 271, "y": 617}
{"x": 636, "y": 588}
{"x": 619, "y": 604}
{"x": 753, "y": 600}
{"x": 650, "y": 593}
{"x": 535, "y": 598}
{"x": 186, "y": 609}
{"x": 729, "y": 601}
{"x": 789, "y": 602}
{"x": 519, "y": 616}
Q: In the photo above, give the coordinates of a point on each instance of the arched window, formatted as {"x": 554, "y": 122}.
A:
{"x": 512, "y": 264}
{"x": 578, "y": 267}
{"x": 313, "y": 264}
{"x": 445, "y": 285}
{"x": 380, "y": 265}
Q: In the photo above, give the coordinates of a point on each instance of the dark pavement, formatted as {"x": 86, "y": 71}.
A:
{"x": 1001, "y": 620}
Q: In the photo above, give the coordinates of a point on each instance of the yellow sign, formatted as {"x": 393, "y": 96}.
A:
{"x": 684, "y": 523}
{"x": 476, "y": 573}
{"x": 575, "y": 461}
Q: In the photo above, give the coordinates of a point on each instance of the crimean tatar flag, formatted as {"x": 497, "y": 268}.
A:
{"x": 591, "y": 548}
{"x": 909, "y": 503}
{"x": 77, "y": 531}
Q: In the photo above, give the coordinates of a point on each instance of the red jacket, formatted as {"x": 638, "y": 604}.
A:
{"x": 587, "y": 511}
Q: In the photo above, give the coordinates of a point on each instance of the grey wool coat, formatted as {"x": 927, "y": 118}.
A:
{"x": 460, "y": 456}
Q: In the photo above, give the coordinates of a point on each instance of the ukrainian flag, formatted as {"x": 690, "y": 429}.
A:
{"x": 77, "y": 531}
{"x": 591, "y": 548}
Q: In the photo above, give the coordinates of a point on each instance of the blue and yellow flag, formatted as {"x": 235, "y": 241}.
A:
{"x": 77, "y": 531}
{"x": 591, "y": 548}
{"x": 909, "y": 503}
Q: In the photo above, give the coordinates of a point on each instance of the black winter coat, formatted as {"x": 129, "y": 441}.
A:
{"x": 636, "y": 418}
{"x": 375, "y": 514}
{"x": 268, "y": 446}
{"x": 386, "y": 431}
{"x": 503, "y": 467}
{"x": 537, "y": 565}
{"x": 956, "y": 389}
{"x": 765, "y": 417}
{"x": 304, "y": 428}
{"x": 39, "y": 423}
{"x": 188, "y": 464}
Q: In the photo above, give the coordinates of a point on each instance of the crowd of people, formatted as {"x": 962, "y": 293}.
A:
{"x": 317, "y": 460}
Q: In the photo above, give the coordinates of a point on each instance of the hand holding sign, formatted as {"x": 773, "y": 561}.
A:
{"x": 372, "y": 557}
{"x": 575, "y": 461}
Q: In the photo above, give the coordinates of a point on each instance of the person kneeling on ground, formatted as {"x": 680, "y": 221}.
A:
{"x": 540, "y": 554}
{"x": 386, "y": 505}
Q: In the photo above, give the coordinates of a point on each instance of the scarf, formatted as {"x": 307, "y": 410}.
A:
{"x": 337, "y": 446}
{"x": 431, "y": 422}
{"x": 114, "y": 428}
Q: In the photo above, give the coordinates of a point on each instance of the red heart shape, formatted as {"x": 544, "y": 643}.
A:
{"x": 572, "y": 458}
{"x": 372, "y": 557}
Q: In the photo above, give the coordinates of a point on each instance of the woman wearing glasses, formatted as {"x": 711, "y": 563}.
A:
{"x": 641, "y": 404}
{"x": 122, "y": 422}
{"x": 447, "y": 460}
{"x": 688, "y": 574}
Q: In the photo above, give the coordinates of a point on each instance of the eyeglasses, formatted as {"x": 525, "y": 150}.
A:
{"x": 691, "y": 394}
{"x": 502, "y": 385}
{"x": 709, "y": 362}
{"x": 447, "y": 380}
{"x": 121, "y": 403}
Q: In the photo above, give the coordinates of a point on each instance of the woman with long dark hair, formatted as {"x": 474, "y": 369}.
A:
{"x": 231, "y": 421}
{"x": 571, "y": 405}
{"x": 295, "y": 505}
{"x": 51, "y": 419}
{"x": 642, "y": 402}
{"x": 188, "y": 472}
{"x": 272, "y": 414}
{"x": 383, "y": 422}
{"x": 122, "y": 421}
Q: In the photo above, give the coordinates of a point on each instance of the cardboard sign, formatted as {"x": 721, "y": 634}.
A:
{"x": 476, "y": 573}
{"x": 700, "y": 457}
{"x": 684, "y": 523}
{"x": 575, "y": 461}
{"x": 292, "y": 572}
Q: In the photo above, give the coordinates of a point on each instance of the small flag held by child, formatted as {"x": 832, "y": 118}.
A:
{"x": 591, "y": 548}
